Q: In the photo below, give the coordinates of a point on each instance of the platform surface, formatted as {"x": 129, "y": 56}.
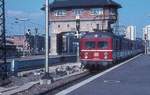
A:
{"x": 132, "y": 78}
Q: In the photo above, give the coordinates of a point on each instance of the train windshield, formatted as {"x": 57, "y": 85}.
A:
{"x": 90, "y": 45}
{"x": 102, "y": 45}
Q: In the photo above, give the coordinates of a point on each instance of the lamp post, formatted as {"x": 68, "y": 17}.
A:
{"x": 47, "y": 78}
{"x": 77, "y": 35}
{"x": 47, "y": 36}
{"x": 146, "y": 37}
{"x": 24, "y": 21}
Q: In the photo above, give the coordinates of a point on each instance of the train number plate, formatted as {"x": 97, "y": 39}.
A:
{"x": 96, "y": 54}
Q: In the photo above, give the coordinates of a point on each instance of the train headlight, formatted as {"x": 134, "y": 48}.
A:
{"x": 86, "y": 55}
{"x": 105, "y": 55}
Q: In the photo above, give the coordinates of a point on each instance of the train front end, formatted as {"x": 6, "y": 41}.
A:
{"x": 96, "y": 51}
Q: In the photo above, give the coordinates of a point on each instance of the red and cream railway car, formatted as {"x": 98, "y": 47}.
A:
{"x": 102, "y": 49}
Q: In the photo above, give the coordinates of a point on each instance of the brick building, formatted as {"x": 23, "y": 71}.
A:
{"x": 93, "y": 14}
{"x": 10, "y": 48}
{"x": 19, "y": 41}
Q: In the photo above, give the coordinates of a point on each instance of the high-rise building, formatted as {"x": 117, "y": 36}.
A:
{"x": 146, "y": 38}
{"x": 146, "y": 32}
{"x": 131, "y": 32}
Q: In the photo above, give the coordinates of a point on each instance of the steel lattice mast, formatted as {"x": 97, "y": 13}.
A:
{"x": 3, "y": 67}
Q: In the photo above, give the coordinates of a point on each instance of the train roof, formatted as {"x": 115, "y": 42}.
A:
{"x": 98, "y": 35}
{"x": 101, "y": 34}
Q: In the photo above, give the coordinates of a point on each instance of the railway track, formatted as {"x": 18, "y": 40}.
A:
{"x": 58, "y": 84}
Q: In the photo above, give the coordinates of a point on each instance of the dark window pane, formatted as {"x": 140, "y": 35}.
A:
{"x": 102, "y": 45}
{"x": 58, "y": 26}
{"x": 90, "y": 45}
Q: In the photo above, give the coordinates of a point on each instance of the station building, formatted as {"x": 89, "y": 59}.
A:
{"x": 93, "y": 14}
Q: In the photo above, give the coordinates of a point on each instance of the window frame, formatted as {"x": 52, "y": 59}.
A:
{"x": 112, "y": 11}
{"x": 104, "y": 47}
{"x": 60, "y": 13}
{"x": 78, "y": 11}
{"x": 96, "y": 11}
{"x": 93, "y": 47}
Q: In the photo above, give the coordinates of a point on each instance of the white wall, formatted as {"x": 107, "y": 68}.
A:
{"x": 131, "y": 33}
{"x": 146, "y": 30}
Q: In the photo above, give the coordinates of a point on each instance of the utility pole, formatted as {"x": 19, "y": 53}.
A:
{"x": 47, "y": 36}
{"x": 3, "y": 65}
{"x": 36, "y": 41}
{"x": 145, "y": 38}
{"x": 47, "y": 79}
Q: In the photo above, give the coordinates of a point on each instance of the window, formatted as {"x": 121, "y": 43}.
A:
{"x": 78, "y": 11}
{"x": 112, "y": 11}
{"x": 102, "y": 45}
{"x": 90, "y": 45}
{"x": 60, "y": 12}
{"x": 58, "y": 26}
{"x": 96, "y": 11}
{"x": 68, "y": 25}
{"x": 97, "y": 26}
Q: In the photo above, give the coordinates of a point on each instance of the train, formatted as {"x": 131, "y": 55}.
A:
{"x": 101, "y": 49}
{"x": 66, "y": 43}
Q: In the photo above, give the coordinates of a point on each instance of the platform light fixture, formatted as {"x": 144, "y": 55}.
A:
{"x": 47, "y": 35}
{"x": 78, "y": 34}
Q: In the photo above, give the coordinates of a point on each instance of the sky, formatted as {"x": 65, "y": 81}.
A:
{"x": 28, "y": 10}
{"x": 133, "y": 12}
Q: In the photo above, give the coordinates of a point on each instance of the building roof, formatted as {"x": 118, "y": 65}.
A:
{"x": 63, "y": 4}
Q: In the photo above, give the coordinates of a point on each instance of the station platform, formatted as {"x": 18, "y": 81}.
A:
{"x": 129, "y": 78}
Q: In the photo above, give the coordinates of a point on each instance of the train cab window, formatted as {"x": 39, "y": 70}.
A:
{"x": 90, "y": 45}
{"x": 102, "y": 45}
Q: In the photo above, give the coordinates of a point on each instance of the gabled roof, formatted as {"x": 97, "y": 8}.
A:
{"x": 63, "y": 4}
